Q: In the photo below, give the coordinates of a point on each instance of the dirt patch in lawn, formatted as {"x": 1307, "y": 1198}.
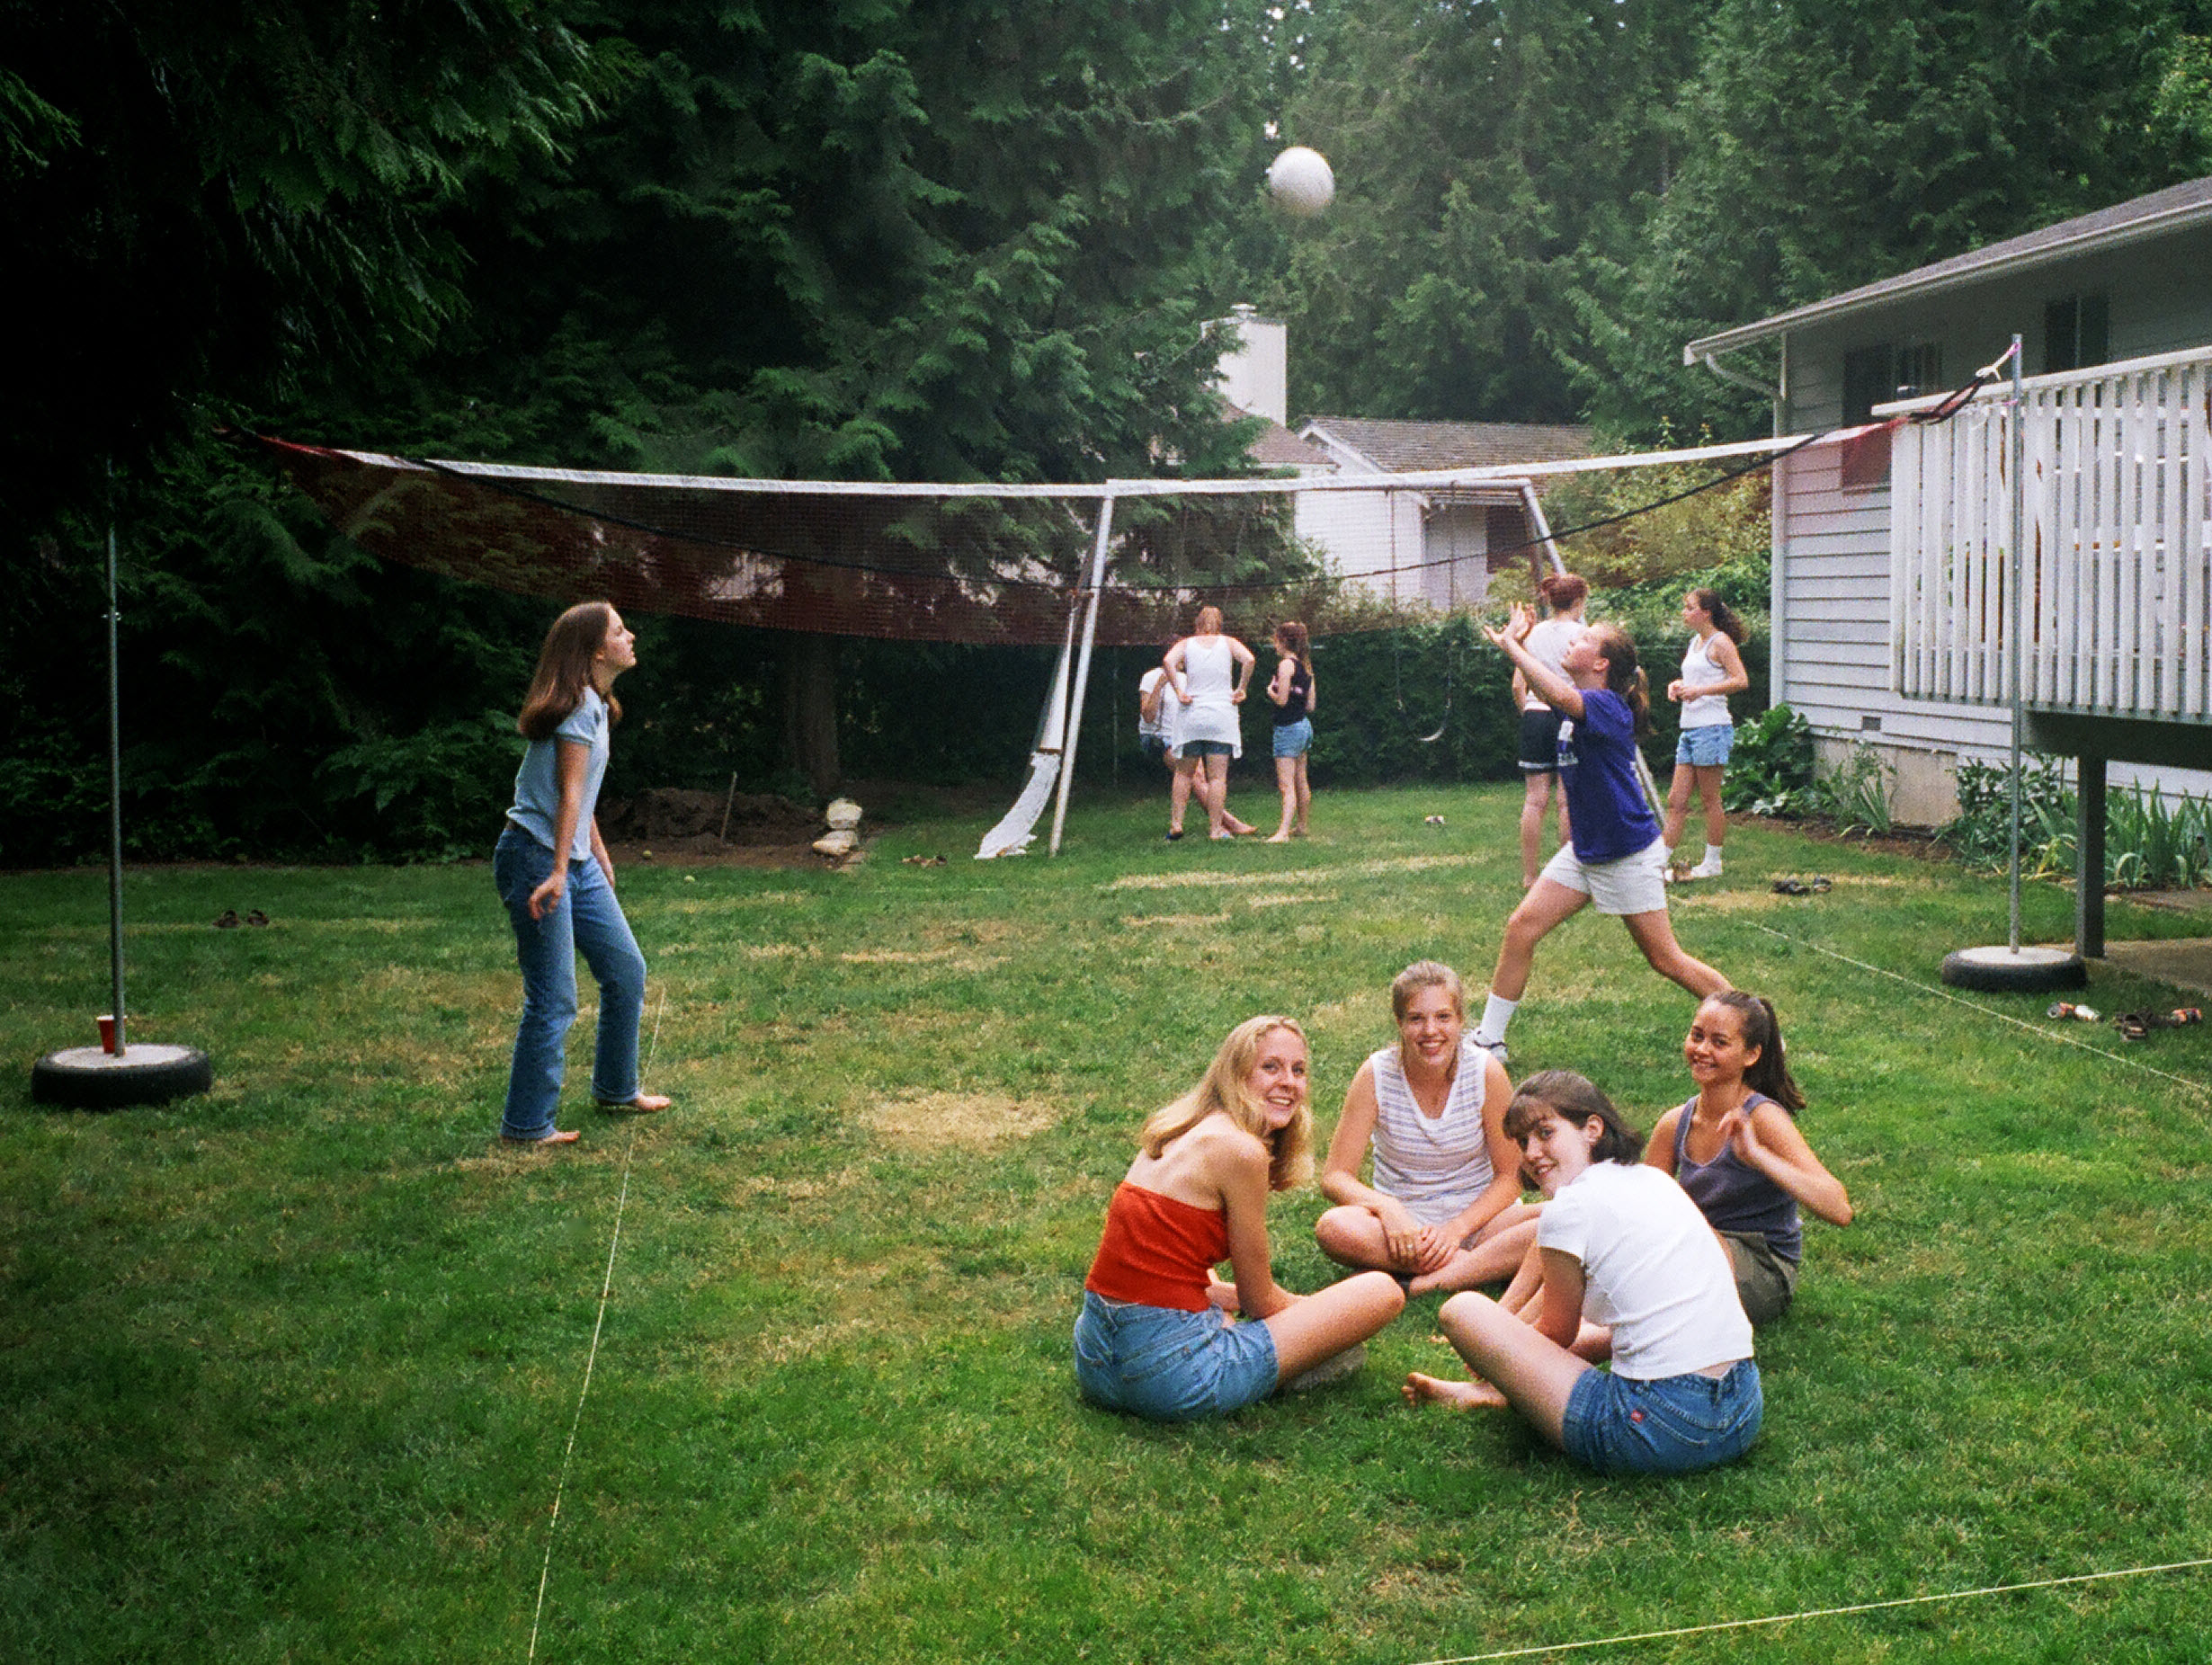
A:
{"x": 973, "y": 1121}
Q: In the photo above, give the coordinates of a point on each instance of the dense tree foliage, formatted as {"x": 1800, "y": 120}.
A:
{"x": 1543, "y": 200}
{"x": 876, "y": 239}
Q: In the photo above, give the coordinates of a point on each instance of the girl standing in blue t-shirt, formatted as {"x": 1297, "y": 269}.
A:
{"x": 1614, "y": 857}
{"x": 554, "y": 873}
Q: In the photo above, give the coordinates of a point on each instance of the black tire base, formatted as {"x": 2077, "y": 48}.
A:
{"x": 85, "y": 1078}
{"x": 2001, "y": 971}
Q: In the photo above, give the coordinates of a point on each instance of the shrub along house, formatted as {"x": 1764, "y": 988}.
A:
{"x": 1892, "y": 597}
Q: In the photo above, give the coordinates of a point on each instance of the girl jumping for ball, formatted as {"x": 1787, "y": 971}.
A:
{"x": 1614, "y": 857}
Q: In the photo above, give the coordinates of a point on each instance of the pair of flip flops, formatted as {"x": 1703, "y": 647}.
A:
{"x": 229, "y": 920}
{"x": 2138, "y": 1025}
{"x": 1791, "y": 885}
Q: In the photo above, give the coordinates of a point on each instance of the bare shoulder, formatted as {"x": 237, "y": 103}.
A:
{"x": 1223, "y": 1148}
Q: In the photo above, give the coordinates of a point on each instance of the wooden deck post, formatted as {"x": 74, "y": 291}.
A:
{"x": 2088, "y": 857}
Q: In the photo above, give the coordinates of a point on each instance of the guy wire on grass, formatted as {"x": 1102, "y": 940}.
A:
{"x": 606, "y": 1289}
{"x": 1949, "y": 406}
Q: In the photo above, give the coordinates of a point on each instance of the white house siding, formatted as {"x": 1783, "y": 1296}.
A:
{"x": 1832, "y": 556}
{"x": 1364, "y": 535}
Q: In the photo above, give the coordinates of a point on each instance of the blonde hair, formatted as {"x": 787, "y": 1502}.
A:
{"x": 1425, "y": 974}
{"x": 1208, "y": 621}
{"x": 1226, "y": 1087}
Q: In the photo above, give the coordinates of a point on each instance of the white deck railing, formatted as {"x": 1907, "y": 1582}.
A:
{"x": 2118, "y": 542}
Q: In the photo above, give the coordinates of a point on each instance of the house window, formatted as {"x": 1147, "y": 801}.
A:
{"x": 1920, "y": 369}
{"x": 1870, "y": 379}
{"x": 2077, "y": 333}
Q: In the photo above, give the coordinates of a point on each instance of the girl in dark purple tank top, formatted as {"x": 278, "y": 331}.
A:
{"x": 1736, "y": 1150}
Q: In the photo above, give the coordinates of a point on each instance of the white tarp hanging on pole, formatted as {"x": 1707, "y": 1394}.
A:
{"x": 1011, "y": 835}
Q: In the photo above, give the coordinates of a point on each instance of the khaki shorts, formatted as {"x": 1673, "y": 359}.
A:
{"x": 1766, "y": 1283}
{"x": 1631, "y": 884}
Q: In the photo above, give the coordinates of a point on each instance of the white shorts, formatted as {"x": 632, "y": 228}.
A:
{"x": 1632, "y": 884}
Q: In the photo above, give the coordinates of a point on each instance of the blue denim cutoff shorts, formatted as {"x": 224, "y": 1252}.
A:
{"x": 1676, "y": 1425}
{"x": 1170, "y": 1365}
{"x": 1707, "y": 747}
{"x": 1292, "y": 739}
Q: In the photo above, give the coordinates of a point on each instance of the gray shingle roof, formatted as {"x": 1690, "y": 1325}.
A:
{"x": 2149, "y": 215}
{"x": 1406, "y": 446}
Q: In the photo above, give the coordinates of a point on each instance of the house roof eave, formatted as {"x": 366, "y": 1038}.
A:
{"x": 2008, "y": 256}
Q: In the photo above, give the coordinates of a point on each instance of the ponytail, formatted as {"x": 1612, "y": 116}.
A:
{"x": 1563, "y": 590}
{"x": 1762, "y": 1028}
{"x": 1624, "y": 674}
{"x": 1725, "y": 617}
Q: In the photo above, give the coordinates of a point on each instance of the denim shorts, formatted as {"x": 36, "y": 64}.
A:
{"x": 1707, "y": 747}
{"x": 1676, "y": 1425}
{"x": 1207, "y": 748}
{"x": 1291, "y": 739}
{"x": 1167, "y": 1364}
{"x": 1155, "y": 747}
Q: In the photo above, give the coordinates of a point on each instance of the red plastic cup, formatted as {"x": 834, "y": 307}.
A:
{"x": 107, "y": 1032}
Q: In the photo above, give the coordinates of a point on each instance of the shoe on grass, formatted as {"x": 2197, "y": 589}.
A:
{"x": 1704, "y": 870}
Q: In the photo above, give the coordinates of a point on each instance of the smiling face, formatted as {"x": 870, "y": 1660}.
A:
{"x": 1428, "y": 1032}
{"x": 1714, "y": 1049}
{"x": 1555, "y": 1151}
{"x": 1277, "y": 1077}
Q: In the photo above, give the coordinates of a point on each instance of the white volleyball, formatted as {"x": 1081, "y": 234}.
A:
{"x": 1300, "y": 181}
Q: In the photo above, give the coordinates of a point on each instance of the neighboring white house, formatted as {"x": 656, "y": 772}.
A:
{"x": 1889, "y": 607}
{"x": 1429, "y": 547}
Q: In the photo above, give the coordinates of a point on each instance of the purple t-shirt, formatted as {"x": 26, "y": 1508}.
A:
{"x": 1606, "y": 805}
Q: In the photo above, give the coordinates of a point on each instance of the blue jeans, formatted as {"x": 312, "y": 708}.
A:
{"x": 1167, "y": 1364}
{"x": 587, "y": 917}
{"x": 1676, "y": 1425}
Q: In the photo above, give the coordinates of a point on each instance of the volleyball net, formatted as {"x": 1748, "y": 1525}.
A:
{"x": 1122, "y": 563}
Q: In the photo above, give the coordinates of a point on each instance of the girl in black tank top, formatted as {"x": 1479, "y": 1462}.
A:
{"x": 1292, "y": 690}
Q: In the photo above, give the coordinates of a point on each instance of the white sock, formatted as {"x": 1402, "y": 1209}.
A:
{"x": 1712, "y": 855}
{"x": 1496, "y": 1014}
{"x": 1666, "y": 856}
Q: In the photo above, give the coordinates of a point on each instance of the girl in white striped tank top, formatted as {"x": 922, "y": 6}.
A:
{"x": 1444, "y": 1209}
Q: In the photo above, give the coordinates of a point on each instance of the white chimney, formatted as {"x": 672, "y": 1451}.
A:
{"x": 1254, "y": 376}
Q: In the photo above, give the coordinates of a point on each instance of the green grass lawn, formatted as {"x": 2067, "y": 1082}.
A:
{"x": 288, "y": 1372}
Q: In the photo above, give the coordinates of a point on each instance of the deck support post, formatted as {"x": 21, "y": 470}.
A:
{"x": 2088, "y": 857}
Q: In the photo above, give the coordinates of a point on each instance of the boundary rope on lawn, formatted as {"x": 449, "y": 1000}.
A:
{"x": 606, "y": 1288}
{"x": 1821, "y": 1613}
{"x": 2001, "y": 1017}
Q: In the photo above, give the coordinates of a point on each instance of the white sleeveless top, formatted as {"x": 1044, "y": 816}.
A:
{"x": 1434, "y": 1166}
{"x": 1701, "y": 669}
{"x": 1210, "y": 672}
{"x": 1550, "y": 641}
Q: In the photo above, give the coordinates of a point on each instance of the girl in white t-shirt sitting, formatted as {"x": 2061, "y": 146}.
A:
{"x": 1621, "y": 1243}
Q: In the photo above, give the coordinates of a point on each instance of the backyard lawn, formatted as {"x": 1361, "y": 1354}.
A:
{"x": 292, "y": 1371}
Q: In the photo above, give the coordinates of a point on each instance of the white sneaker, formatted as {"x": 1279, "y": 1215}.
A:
{"x": 1496, "y": 1049}
{"x": 1708, "y": 868}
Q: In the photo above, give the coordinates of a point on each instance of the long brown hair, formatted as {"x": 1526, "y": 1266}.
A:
{"x": 1624, "y": 673}
{"x": 1755, "y": 1013}
{"x": 564, "y": 670}
{"x": 1224, "y": 1088}
{"x": 1291, "y": 636}
{"x": 1724, "y": 617}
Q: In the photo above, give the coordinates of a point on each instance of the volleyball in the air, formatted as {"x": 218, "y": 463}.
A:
{"x": 1300, "y": 182}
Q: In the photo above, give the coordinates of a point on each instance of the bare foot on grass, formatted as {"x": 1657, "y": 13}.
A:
{"x": 1428, "y": 1390}
{"x": 1279, "y": 838}
{"x": 644, "y": 1104}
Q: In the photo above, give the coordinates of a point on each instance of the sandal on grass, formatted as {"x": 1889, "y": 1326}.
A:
{"x": 1818, "y": 884}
